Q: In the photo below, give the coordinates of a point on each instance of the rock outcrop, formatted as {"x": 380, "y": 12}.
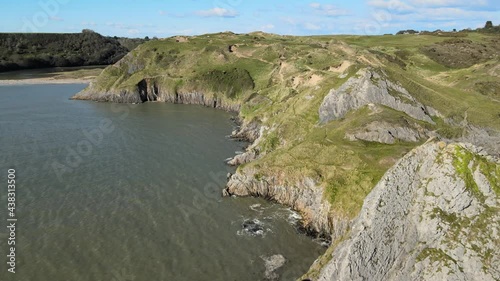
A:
{"x": 147, "y": 90}
{"x": 304, "y": 196}
{"x": 246, "y": 157}
{"x": 425, "y": 219}
{"x": 433, "y": 216}
{"x": 273, "y": 264}
{"x": 483, "y": 137}
{"x": 251, "y": 132}
{"x": 370, "y": 87}
{"x": 384, "y": 132}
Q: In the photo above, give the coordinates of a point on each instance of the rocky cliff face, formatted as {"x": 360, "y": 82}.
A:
{"x": 305, "y": 196}
{"x": 433, "y": 216}
{"x": 384, "y": 132}
{"x": 424, "y": 220}
{"x": 370, "y": 87}
{"x": 147, "y": 90}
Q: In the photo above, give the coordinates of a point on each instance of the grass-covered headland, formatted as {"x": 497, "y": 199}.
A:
{"x": 280, "y": 82}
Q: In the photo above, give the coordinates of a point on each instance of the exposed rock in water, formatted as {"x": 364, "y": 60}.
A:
{"x": 253, "y": 227}
{"x": 117, "y": 96}
{"x": 273, "y": 264}
{"x": 305, "y": 196}
{"x": 370, "y": 87}
{"x": 433, "y": 216}
{"x": 384, "y": 132}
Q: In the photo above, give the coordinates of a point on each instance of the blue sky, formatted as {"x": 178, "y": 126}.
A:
{"x": 162, "y": 18}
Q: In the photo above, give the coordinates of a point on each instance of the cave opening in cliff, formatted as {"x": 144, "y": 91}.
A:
{"x": 142, "y": 86}
{"x": 144, "y": 94}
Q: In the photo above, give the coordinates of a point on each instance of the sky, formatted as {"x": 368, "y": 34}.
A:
{"x": 164, "y": 18}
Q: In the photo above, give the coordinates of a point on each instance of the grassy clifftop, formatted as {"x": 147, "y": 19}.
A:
{"x": 281, "y": 81}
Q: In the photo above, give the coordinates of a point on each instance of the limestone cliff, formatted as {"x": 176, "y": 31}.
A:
{"x": 305, "y": 196}
{"x": 370, "y": 87}
{"x": 150, "y": 90}
{"x": 326, "y": 119}
{"x": 433, "y": 216}
{"x": 384, "y": 132}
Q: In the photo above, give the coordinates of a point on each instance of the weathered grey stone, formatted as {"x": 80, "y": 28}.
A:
{"x": 305, "y": 196}
{"x": 243, "y": 158}
{"x": 384, "y": 132}
{"x": 487, "y": 139}
{"x": 149, "y": 90}
{"x": 370, "y": 87}
{"x": 422, "y": 222}
{"x": 272, "y": 264}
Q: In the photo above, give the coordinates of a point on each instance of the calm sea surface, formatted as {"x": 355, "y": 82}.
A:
{"x": 122, "y": 192}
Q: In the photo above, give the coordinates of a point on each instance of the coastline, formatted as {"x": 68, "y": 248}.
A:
{"x": 48, "y": 80}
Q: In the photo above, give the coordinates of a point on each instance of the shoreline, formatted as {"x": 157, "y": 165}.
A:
{"x": 45, "y": 81}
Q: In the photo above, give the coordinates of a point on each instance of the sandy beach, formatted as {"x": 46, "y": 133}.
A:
{"x": 50, "y": 80}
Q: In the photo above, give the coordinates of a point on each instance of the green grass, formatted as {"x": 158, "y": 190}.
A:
{"x": 466, "y": 163}
{"x": 461, "y": 162}
{"x": 435, "y": 255}
{"x": 270, "y": 76}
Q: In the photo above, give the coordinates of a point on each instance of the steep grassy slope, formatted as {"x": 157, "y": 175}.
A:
{"x": 280, "y": 82}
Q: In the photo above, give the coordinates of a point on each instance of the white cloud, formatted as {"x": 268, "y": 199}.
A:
{"x": 449, "y": 3}
{"x": 393, "y": 5}
{"x": 133, "y": 31}
{"x": 328, "y": 10}
{"x": 268, "y": 27}
{"x": 88, "y": 23}
{"x": 56, "y": 19}
{"x": 315, "y": 5}
{"x": 289, "y": 20}
{"x": 217, "y": 12}
{"x": 311, "y": 26}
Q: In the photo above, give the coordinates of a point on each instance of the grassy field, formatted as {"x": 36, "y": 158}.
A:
{"x": 280, "y": 81}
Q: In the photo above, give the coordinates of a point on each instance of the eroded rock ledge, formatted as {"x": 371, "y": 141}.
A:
{"x": 385, "y": 132}
{"x": 305, "y": 196}
{"x": 147, "y": 90}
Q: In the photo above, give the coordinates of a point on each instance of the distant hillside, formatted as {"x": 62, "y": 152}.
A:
{"x": 488, "y": 28}
{"x": 40, "y": 50}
